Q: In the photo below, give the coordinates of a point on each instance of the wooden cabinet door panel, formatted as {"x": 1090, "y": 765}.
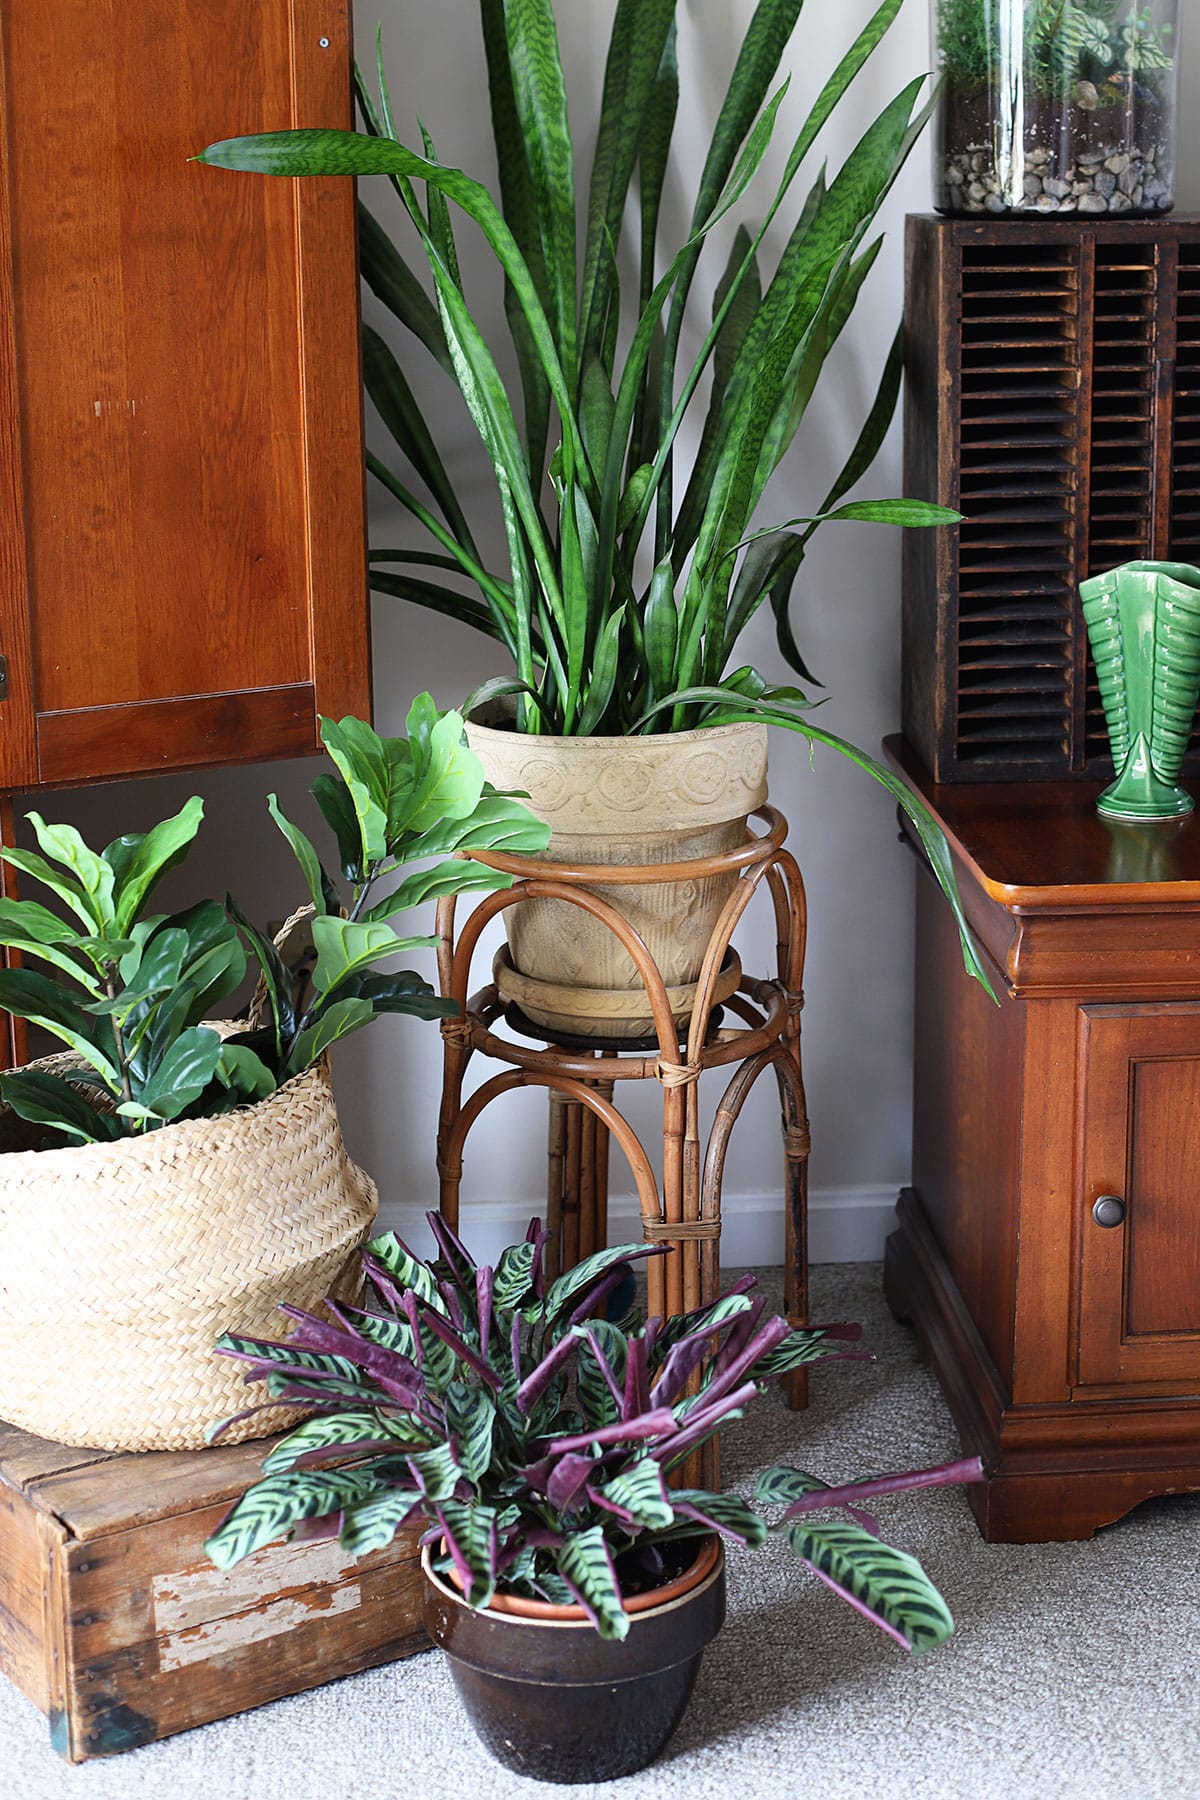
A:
{"x": 1139, "y": 1313}
{"x": 184, "y": 579}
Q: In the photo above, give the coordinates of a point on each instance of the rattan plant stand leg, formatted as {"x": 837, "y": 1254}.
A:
{"x": 683, "y": 1207}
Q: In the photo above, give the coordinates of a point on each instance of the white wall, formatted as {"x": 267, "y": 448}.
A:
{"x": 857, "y": 1023}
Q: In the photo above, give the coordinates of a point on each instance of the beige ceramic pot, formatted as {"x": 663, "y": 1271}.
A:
{"x": 669, "y": 798}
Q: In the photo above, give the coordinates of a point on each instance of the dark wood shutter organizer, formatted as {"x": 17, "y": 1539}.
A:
{"x": 1053, "y": 397}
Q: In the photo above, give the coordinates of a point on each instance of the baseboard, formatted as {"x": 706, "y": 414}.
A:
{"x": 844, "y": 1225}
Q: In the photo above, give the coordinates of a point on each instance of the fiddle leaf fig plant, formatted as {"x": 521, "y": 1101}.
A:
{"x": 533, "y": 1437}
{"x": 631, "y": 578}
{"x": 128, "y": 992}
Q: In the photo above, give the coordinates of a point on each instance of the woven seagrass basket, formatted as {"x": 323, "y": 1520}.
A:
{"x": 121, "y": 1264}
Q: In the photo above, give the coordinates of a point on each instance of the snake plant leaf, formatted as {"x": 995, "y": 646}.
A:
{"x": 439, "y": 599}
{"x": 585, "y": 1565}
{"x": 640, "y": 33}
{"x": 139, "y": 861}
{"x": 437, "y": 215}
{"x": 392, "y": 281}
{"x": 520, "y": 211}
{"x": 887, "y": 1585}
{"x": 728, "y": 1514}
{"x": 539, "y": 91}
{"x": 393, "y": 400}
{"x": 45, "y": 1099}
{"x": 603, "y": 677}
{"x": 275, "y": 1506}
{"x": 371, "y": 1524}
{"x": 654, "y": 148}
{"x": 333, "y": 1434}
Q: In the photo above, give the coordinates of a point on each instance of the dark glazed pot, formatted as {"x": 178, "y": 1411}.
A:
{"x": 552, "y": 1699}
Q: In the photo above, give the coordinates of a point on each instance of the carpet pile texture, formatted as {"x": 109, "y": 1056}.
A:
{"x": 1072, "y": 1672}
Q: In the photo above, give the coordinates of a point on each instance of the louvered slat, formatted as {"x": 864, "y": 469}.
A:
{"x": 1019, "y": 343}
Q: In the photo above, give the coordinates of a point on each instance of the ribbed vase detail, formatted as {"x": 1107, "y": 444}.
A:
{"x": 1143, "y": 624}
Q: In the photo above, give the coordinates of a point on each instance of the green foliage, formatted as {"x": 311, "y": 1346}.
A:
{"x": 127, "y": 993}
{"x": 1062, "y": 42}
{"x": 536, "y": 1436}
{"x": 585, "y": 456}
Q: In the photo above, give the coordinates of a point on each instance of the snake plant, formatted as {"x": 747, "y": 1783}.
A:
{"x": 532, "y": 1436}
{"x": 630, "y": 580}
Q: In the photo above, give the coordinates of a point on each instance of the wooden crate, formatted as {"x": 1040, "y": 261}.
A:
{"x": 115, "y": 1623}
{"x": 1052, "y": 395}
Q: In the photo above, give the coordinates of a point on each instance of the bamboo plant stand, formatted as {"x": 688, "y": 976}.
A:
{"x": 683, "y": 1209}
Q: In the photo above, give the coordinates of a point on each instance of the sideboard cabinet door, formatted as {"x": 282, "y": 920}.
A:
{"x": 1139, "y": 1298}
{"x": 182, "y": 561}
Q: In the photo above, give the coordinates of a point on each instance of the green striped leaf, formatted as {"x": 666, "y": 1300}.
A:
{"x": 575, "y": 1280}
{"x": 405, "y": 1270}
{"x": 471, "y": 1420}
{"x": 473, "y": 1530}
{"x": 726, "y": 1513}
{"x": 889, "y": 1583}
{"x": 392, "y": 281}
{"x": 583, "y": 1560}
{"x": 274, "y": 1507}
{"x": 262, "y": 1350}
{"x": 514, "y": 1277}
{"x": 631, "y": 71}
{"x": 541, "y": 102}
{"x": 698, "y": 1324}
{"x": 372, "y": 1524}
{"x": 436, "y": 1471}
{"x": 334, "y": 1431}
{"x": 641, "y": 1490}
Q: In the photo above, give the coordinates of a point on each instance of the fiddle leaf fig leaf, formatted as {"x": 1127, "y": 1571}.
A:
{"x": 46, "y": 1099}
{"x": 334, "y": 1022}
{"x": 138, "y": 862}
{"x": 344, "y": 946}
{"x": 184, "y": 1072}
{"x": 93, "y": 876}
{"x": 246, "y": 1073}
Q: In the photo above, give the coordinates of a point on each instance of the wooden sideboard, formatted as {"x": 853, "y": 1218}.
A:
{"x": 1049, "y": 1247}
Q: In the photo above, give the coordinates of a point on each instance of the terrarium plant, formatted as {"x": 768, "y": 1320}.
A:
{"x": 633, "y": 573}
{"x": 128, "y": 990}
{"x": 533, "y": 1438}
{"x": 1056, "y": 105}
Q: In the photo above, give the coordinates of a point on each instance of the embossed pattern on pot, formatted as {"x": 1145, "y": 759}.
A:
{"x": 626, "y": 802}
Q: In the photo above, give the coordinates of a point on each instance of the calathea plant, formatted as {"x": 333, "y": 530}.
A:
{"x": 128, "y": 991}
{"x": 631, "y": 579}
{"x": 533, "y": 1437}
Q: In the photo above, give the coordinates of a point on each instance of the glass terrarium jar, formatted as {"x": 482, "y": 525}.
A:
{"x": 1055, "y": 106}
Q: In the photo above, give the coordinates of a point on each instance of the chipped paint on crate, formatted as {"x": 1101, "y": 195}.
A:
{"x": 203, "y": 1612}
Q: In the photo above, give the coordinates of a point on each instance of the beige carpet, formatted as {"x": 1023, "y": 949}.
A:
{"x": 1073, "y": 1672}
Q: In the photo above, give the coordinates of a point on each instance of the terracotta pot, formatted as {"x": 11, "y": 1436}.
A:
{"x": 552, "y": 1699}
{"x": 668, "y": 798}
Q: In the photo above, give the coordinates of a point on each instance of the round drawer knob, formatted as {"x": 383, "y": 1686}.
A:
{"x": 1108, "y": 1211}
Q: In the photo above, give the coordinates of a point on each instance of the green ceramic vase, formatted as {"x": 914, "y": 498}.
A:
{"x": 1143, "y": 623}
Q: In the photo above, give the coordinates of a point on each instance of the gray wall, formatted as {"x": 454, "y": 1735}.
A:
{"x": 858, "y": 1019}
